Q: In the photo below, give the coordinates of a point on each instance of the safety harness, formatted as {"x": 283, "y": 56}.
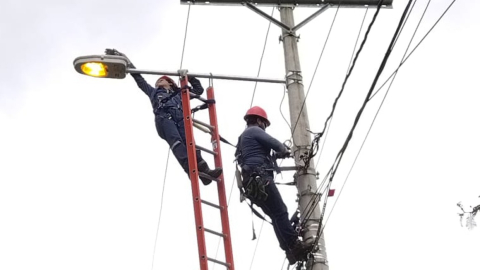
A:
{"x": 251, "y": 183}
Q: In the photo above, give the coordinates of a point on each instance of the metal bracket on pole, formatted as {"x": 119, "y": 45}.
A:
{"x": 294, "y": 76}
{"x": 289, "y": 34}
{"x": 290, "y": 31}
{"x": 311, "y": 17}
{"x": 266, "y": 16}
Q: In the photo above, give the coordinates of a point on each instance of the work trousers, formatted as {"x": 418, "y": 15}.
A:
{"x": 275, "y": 208}
{"x": 171, "y": 128}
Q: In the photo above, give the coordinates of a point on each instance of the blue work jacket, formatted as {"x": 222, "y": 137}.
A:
{"x": 163, "y": 100}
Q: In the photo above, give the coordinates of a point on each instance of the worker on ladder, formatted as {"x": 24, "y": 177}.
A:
{"x": 167, "y": 107}
{"x": 257, "y": 164}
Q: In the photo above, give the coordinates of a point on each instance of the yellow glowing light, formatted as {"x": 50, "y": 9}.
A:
{"x": 95, "y": 69}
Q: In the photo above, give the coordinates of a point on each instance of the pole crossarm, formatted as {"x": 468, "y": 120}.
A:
{"x": 311, "y": 17}
{"x": 207, "y": 76}
{"x": 282, "y": 25}
{"x": 268, "y": 17}
{"x": 298, "y": 3}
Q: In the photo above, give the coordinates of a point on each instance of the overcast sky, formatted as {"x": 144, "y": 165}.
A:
{"x": 82, "y": 168}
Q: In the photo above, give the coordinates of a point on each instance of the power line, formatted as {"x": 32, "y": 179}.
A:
{"x": 256, "y": 245}
{"x": 353, "y": 65}
{"x": 330, "y": 123}
{"x": 315, "y": 72}
{"x": 403, "y": 26}
{"x": 312, "y": 206}
{"x": 261, "y": 58}
{"x": 168, "y": 154}
{"x": 391, "y": 82}
{"x": 338, "y": 160}
{"x": 161, "y": 207}
{"x": 185, "y": 36}
{"x": 413, "y": 50}
{"x": 349, "y": 64}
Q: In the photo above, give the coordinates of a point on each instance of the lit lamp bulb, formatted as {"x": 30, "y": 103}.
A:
{"x": 102, "y": 66}
{"x": 95, "y": 69}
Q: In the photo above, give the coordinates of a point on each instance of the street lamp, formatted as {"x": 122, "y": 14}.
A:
{"x": 116, "y": 67}
{"x": 102, "y": 66}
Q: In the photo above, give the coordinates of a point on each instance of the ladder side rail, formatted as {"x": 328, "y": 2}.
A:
{"x": 193, "y": 173}
{"x": 222, "y": 197}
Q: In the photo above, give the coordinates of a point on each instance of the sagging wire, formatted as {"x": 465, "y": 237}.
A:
{"x": 314, "y": 73}
{"x": 408, "y": 16}
{"x": 161, "y": 207}
{"x": 329, "y": 124}
{"x": 414, "y": 49}
{"x": 359, "y": 114}
{"x": 361, "y": 147}
{"x": 168, "y": 155}
{"x": 346, "y": 72}
{"x": 261, "y": 57}
{"x": 185, "y": 36}
{"x": 350, "y": 62}
{"x": 352, "y": 66}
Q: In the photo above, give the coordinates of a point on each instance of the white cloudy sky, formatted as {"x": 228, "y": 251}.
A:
{"x": 82, "y": 168}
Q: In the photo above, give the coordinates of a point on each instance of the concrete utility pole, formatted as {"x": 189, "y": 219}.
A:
{"x": 306, "y": 181}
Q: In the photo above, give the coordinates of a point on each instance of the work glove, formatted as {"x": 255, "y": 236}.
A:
{"x": 115, "y": 52}
{"x": 285, "y": 154}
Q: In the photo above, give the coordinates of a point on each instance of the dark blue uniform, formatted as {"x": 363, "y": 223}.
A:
{"x": 254, "y": 149}
{"x": 167, "y": 107}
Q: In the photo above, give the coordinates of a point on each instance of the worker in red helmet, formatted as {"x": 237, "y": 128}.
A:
{"x": 167, "y": 108}
{"x": 254, "y": 156}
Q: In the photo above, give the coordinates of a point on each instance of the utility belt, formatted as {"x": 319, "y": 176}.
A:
{"x": 167, "y": 111}
{"x": 255, "y": 181}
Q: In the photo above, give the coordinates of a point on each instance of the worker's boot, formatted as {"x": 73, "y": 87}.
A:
{"x": 291, "y": 259}
{"x": 203, "y": 168}
{"x": 300, "y": 250}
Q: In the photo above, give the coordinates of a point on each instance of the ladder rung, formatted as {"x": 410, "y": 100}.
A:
{"x": 212, "y": 204}
{"x": 205, "y": 150}
{"x": 202, "y": 128}
{"x": 204, "y": 124}
{"x": 214, "y": 232}
{"x": 219, "y": 262}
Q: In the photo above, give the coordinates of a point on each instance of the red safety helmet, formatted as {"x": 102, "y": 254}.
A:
{"x": 168, "y": 79}
{"x": 259, "y": 112}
